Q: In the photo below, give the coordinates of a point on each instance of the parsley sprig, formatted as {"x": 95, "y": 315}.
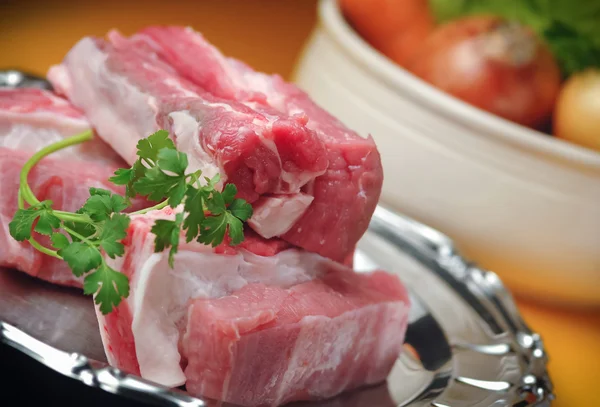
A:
{"x": 84, "y": 238}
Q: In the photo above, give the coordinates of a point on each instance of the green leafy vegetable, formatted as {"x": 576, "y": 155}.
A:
{"x": 579, "y": 52}
{"x": 99, "y": 227}
{"x": 212, "y": 230}
{"x": 113, "y": 231}
{"x": 102, "y": 203}
{"x": 195, "y": 198}
{"x": 167, "y": 235}
{"x": 47, "y": 222}
{"x": 241, "y": 209}
{"x": 81, "y": 257}
{"x": 570, "y": 27}
{"x": 109, "y": 285}
{"x": 59, "y": 241}
{"x": 149, "y": 147}
{"x": 21, "y": 225}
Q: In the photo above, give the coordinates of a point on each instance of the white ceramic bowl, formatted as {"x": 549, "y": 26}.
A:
{"x": 515, "y": 200}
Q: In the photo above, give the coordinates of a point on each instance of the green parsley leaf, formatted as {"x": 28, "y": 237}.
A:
{"x": 100, "y": 206}
{"x": 175, "y": 162}
{"x": 113, "y": 231}
{"x": 213, "y": 230}
{"x": 99, "y": 191}
{"x": 229, "y": 193}
{"x": 149, "y": 147}
{"x": 81, "y": 257}
{"x": 84, "y": 229}
{"x": 211, "y": 183}
{"x": 128, "y": 177}
{"x": 156, "y": 184}
{"x": 215, "y": 203}
{"x": 47, "y": 222}
{"x": 59, "y": 241}
{"x": 22, "y": 223}
{"x": 109, "y": 285}
{"x": 167, "y": 179}
{"x": 123, "y": 176}
{"x": 236, "y": 229}
{"x": 194, "y": 204}
{"x": 159, "y": 173}
{"x": 172, "y": 161}
{"x": 241, "y": 209}
{"x": 167, "y": 235}
{"x": 139, "y": 171}
{"x": 177, "y": 193}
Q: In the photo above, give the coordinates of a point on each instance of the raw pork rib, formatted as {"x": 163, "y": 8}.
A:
{"x": 258, "y": 324}
{"x": 29, "y": 120}
{"x": 312, "y": 181}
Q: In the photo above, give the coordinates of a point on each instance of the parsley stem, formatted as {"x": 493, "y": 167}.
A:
{"x": 77, "y": 235}
{"x": 152, "y": 208}
{"x": 73, "y": 217}
{"x": 25, "y": 192}
{"x": 43, "y": 249}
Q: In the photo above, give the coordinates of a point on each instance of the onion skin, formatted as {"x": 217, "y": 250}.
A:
{"x": 396, "y": 28}
{"x": 577, "y": 114}
{"x": 498, "y": 66}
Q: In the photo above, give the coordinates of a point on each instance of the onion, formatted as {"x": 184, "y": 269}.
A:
{"x": 577, "y": 115}
{"x": 396, "y": 28}
{"x": 494, "y": 64}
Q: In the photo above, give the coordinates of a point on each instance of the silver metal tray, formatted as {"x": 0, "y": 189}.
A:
{"x": 466, "y": 343}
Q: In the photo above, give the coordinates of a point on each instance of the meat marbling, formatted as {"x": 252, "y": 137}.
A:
{"x": 313, "y": 182}
{"x": 31, "y": 119}
{"x": 248, "y": 328}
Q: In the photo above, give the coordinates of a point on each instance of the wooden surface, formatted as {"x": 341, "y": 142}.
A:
{"x": 268, "y": 35}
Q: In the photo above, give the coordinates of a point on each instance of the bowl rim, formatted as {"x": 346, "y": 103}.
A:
{"x": 452, "y": 108}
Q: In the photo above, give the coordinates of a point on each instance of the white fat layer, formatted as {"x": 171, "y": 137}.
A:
{"x": 110, "y": 357}
{"x": 162, "y": 296}
{"x": 27, "y": 137}
{"x": 121, "y": 112}
{"x": 59, "y": 76}
{"x": 33, "y": 136}
{"x": 298, "y": 180}
{"x": 60, "y": 123}
{"x": 274, "y": 216}
{"x": 186, "y": 129}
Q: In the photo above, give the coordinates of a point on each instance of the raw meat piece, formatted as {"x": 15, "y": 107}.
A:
{"x": 159, "y": 295}
{"x": 29, "y": 120}
{"x": 345, "y": 196}
{"x": 264, "y": 135}
{"x": 277, "y": 298}
{"x": 265, "y": 345}
{"x": 258, "y": 150}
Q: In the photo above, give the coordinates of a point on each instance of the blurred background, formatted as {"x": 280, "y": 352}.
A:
{"x": 519, "y": 195}
{"x": 267, "y": 34}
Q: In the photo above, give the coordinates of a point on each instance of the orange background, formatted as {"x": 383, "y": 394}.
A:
{"x": 268, "y": 35}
